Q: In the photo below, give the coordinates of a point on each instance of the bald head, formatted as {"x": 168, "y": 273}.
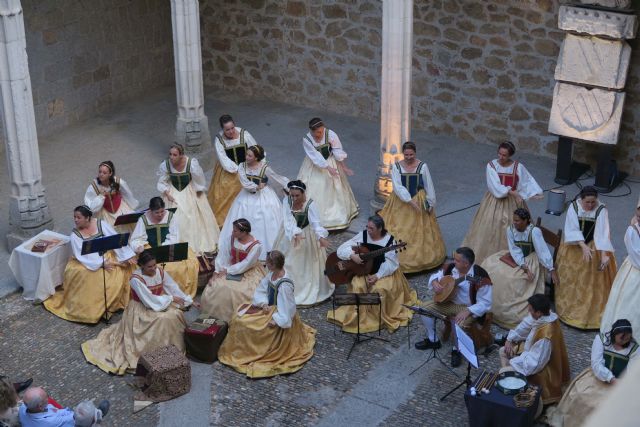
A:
{"x": 35, "y": 399}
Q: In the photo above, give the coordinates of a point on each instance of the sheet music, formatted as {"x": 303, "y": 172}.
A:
{"x": 466, "y": 347}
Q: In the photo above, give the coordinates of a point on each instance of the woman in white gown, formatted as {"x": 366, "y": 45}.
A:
{"x": 624, "y": 298}
{"x": 108, "y": 196}
{"x": 257, "y": 202}
{"x": 303, "y": 240}
{"x": 509, "y": 185}
{"x": 182, "y": 184}
{"x": 325, "y": 173}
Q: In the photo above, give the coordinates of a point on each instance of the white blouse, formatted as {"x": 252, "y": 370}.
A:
{"x": 96, "y": 201}
{"x": 157, "y": 302}
{"x": 390, "y": 264}
{"x": 249, "y": 185}
{"x": 290, "y": 227}
{"x": 632, "y": 243}
{"x": 309, "y": 144}
{"x": 226, "y": 163}
{"x": 223, "y": 261}
{"x": 527, "y": 186}
{"x": 535, "y": 355}
{"x": 197, "y": 176}
{"x": 539, "y": 245}
{"x": 94, "y": 261}
{"x": 403, "y": 193}
{"x": 283, "y": 316}
{"x": 601, "y": 236}
{"x": 139, "y": 236}
{"x": 484, "y": 296}
{"x": 597, "y": 358}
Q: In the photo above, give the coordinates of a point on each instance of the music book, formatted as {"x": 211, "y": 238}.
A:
{"x": 466, "y": 347}
{"x": 41, "y": 245}
{"x": 132, "y": 218}
{"x": 508, "y": 259}
{"x": 235, "y": 277}
{"x": 170, "y": 253}
{"x": 104, "y": 244}
{"x": 247, "y": 309}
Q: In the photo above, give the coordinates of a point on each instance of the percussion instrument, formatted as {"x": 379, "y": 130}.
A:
{"x": 511, "y": 382}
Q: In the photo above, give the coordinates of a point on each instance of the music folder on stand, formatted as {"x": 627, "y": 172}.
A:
{"x": 170, "y": 253}
{"x": 101, "y": 245}
{"x": 132, "y": 218}
{"x": 468, "y": 350}
{"x": 358, "y": 300}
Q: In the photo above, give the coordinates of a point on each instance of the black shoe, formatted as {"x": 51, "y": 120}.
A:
{"x": 456, "y": 358}
{"x": 20, "y": 387}
{"x": 104, "y": 406}
{"x": 427, "y": 344}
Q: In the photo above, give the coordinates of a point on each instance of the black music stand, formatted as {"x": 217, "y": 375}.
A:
{"x": 358, "y": 300}
{"x": 132, "y": 218}
{"x": 170, "y": 253}
{"x": 468, "y": 350}
{"x": 101, "y": 245}
{"x": 422, "y": 311}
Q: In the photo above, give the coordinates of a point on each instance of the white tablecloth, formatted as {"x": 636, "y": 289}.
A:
{"x": 40, "y": 272}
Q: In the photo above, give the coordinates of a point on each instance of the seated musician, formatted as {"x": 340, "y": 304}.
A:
{"x": 385, "y": 279}
{"x": 535, "y": 348}
{"x": 159, "y": 227}
{"x": 611, "y": 353}
{"x": 469, "y": 301}
{"x": 267, "y": 337}
{"x": 151, "y": 320}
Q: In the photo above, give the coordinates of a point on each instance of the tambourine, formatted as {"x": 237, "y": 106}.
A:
{"x": 511, "y": 383}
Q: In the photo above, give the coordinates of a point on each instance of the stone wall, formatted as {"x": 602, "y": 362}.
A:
{"x": 86, "y": 56}
{"x": 483, "y": 71}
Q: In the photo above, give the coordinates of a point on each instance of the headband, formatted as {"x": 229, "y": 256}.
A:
{"x": 297, "y": 186}
{"x": 108, "y": 167}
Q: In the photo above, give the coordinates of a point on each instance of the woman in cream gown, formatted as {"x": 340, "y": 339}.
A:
{"x": 325, "y": 172}
{"x": 611, "y": 353}
{"x": 181, "y": 183}
{"x": 109, "y": 196}
{"x": 231, "y": 147}
{"x": 81, "y": 298}
{"x": 585, "y": 263}
{"x": 410, "y": 216}
{"x": 509, "y": 185}
{"x": 257, "y": 202}
{"x": 303, "y": 240}
{"x": 159, "y": 227}
{"x": 237, "y": 275}
{"x": 512, "y": 286}
{"x": 266, "y": 336}
{"x": 624, "y": 298}
{"x": 151, "y": 320}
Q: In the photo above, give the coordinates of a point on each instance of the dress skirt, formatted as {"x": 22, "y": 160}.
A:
{"x": 185, "y": 273}
{"x": 258, "y": 350}
{"x": 624, "y": 299}
{"x": 511, "y": 288}
{"x": 582, "y": 291}
{"x": 223, "y": 189}
{"x": 487, "y": 234}
{"x": 425, "y": 248}
{"x": 334, "y": 199}
{"x": 81, "y": 298}
{"x": 110, "y": 218}
{"x": 196, "y": 222}
{"x": 264, "y": 212}
{"x": 221, "y": 297}
{"x": 580, "y": 399}
{"x": 394, "y": 291}
{"x": 117, "y": 348}
{"x": 305, "y": 265}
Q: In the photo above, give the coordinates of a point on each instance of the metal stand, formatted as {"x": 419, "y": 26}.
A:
{"x": 434, "y": 351}
{"x": 105, "y": 316}
{"x": 466, "y": 381}
{"x": 607, "y": 175}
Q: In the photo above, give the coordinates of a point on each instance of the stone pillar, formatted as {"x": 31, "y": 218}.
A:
{"x": 192, "y": 126}
{"x": 395, "y": 99}
{"x": 28, "y": 209}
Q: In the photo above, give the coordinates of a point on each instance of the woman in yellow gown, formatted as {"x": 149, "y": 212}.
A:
{"x": 82, "y": 297}
{"x": 410, "y": 216}
{"x": 266, "y": 337}
{"x": 151, "y": 320}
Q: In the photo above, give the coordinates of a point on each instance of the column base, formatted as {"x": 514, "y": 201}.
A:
{"x": 194, "y": 135}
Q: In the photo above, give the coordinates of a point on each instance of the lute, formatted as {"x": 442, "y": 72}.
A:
{"x": 340, "y": 271}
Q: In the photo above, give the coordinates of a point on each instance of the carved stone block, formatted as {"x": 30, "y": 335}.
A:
{"x": 588, "y": 114}
{"x": 619, "y": 4}
{"x": 597, "y": 22}
{"x": 593, "y": 61}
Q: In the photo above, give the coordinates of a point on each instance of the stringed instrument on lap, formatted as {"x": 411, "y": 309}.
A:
{"x": 450, "y": 285}
{"x": 340, "y": 272}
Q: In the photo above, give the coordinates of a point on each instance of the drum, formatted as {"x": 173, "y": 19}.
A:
{"x": 511, "y": 382}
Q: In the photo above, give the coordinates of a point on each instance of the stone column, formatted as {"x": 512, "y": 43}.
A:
{"x": 395, "y": 99}
{"x": 192, "y": 126}
{"x": 28, "y": 209}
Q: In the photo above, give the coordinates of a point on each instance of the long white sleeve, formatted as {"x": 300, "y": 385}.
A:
{"x": 601, "y": 235}
{"x": 542, "y": 249}
{"x": 336, "y": 146}
{"x": 286, "y": 306}
{"x": 173, "y": 289}
{"x": 261, "y": 294}
{"x": 127, "y": 194}
{"x": 572, "y": 233}
{"x": 632, "y": 243}
{"x": 138, "y": 237}
{"x": 345, "y": 250}
{"x": 483, "y": 301}
{"x": 164, "y": 182}
{"x": 246, "y": 183}
{"x": 429, "y": 188}
{"x": 314, "y": 222}
{"x": 527, "y": 185}
{"x": 282, "y": 181}
{"x": 291, "y": 228}
{"x": 390, "y": 264}
{"x": 197, "y": 176}
{"x": 597, "y": 361}
{"x": 514, "y": 250}
{"x": 532, "y": 361}
{"x": 123, "y": 253}
{"x": 435, "y": 276}
{"x": 498, "y": 190}
{"x": 92, "y": 200}
{"x": 399, "y": 189}
{"x": 521, "y": 331}
{"x": 250, "y": 261}
{"x": 224, "y": 161}
{"x": 91, "y": 261}
{"x": 154, "y": 302}
{"x": 313, "y": 154}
